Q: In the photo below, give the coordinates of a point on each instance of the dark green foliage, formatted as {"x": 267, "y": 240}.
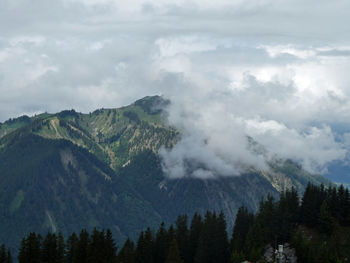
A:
{"x": 81, "y": 249}
{"x": 318, "y": 228}
{"x": 243, "y": 222}
{"x": 132, "y": 116}
{"x": 67, "y": 187}
{"x": 195, "y": 232}
{"x": 68, "y": 113}
{"x": 61, "y": 246}
{"x": 173, "y": 254}
{"x": 206, "y": 239}
{"x": 213, "y": 244}
{"x": 311, "y": 203}
{"x": 288, "y": 213}
{"x": 153, "y": 105}
{"x": 127, "y": 253}
{"x": 325, "y": 220}
{"x": 182, "y": 237}
{"x": 30, "y": 250}
{"x": 5, "y": 254}
{"x": 109, "y": 248}
{"x": 49, "y": 249}
{"x": 72, "y": 244}
{"x": 99, "y": 248}
{"x": 161, "y": 245}
{"x": 144, "y": 248}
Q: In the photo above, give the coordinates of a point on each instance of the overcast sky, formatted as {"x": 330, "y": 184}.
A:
{"x": 276, "y": 70}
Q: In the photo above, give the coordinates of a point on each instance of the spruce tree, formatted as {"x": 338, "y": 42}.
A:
{"x": 9, "y": 256}
{"x": 95, "y": 249}
{"x": 81, "y": 250}
{"x": 173, "y": 254}
{"x": 221, "y": 252}
{"x": 161, "y": 245}
{"x": 213, "y": 245}
{"x": 325, "y": 220}
{"x": 127, "y": 253}
{"x": 61, "y": 252}
{"x": 3, "y": 254}
{"x": 195, "y": 232}
{"x": 243, "y": 222}
{"x": 30, "y": 250}
{"x": 110, "y": 249}
{"x": 144, "y": 248}
{"x": 49, "y": 249}
{"x": 287, "y": 214}
{"x": 182, "y": 237}
{"x": 71, "y": 247}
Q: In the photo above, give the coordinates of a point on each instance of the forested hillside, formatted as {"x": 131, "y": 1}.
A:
{"x": 316, "y": 227}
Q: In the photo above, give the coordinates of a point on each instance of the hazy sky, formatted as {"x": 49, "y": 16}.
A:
{"x": 276, "y": 70}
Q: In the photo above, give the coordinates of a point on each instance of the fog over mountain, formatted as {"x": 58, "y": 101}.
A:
{"x": 276, "y": 71}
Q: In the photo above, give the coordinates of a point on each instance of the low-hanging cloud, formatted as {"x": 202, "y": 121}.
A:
{"x": 274, "y": 71}
{"x": 219, "y": 125}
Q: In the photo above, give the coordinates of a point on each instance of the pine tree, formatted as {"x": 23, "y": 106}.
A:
{"x": 173, "y": 254}
{"x": 71, "y": 247}
{"x": 30, "y": 250}
{"x": 221, "y": 252}
{"x": 49, "y": 249}
{"x": 9, "y": 257}
{"x": 110, "y": 249}
{"x": 268, "y": 219}
{"x": 81, "y": 249}
{"x": 127, "y": 253}
{"x": 60, "y": 248}
{"x": 144, "y": 248}
{"x": 161, "y": 244}
{"x": 255, "y": 240}
{"x": 95, "y": 249}
{"x": 236, "y": 257}
{"x": 22, "y": 258}
{"x": 213, "y": 244}
{"x": 195, "y": 232}
{"x": 243, "y": 222}
{"x": 3, "y": 254}
{"x": 325, "y": 223}
{"x": 287, "y": 214}
{"x": 343, "y": 204}
{"x": 182, "y": 237}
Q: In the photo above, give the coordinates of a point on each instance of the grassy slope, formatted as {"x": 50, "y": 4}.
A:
{"x": 113, "y": 135}
{"x": 59, "y": 186}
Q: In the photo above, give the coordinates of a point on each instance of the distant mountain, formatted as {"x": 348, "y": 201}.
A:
{"x": 67, "y": 171}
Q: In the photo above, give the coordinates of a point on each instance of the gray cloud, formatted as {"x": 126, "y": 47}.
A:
{"x": 273, "y": 70}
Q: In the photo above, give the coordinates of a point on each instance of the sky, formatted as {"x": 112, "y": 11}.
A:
{"x": 274, "y": 70}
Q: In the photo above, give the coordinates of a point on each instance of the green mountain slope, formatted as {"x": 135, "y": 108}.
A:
{"x": 54, "y": 185}
{"x": 112, "y": 135}
{"x": 69, "y": 170}
{"x": 172, "y": 197}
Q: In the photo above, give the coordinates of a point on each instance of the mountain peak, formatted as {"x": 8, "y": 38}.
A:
{"x": 152, "y": 104}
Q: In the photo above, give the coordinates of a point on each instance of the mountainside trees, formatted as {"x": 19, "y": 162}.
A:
{"x": 320, "y": 236}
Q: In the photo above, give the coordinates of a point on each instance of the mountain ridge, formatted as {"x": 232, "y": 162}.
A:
{"x": 110, "y": 157}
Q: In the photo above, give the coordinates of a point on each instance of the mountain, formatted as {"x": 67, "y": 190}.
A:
{"x": 67, "y": 171}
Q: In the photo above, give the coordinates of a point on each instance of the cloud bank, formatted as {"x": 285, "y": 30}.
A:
{"x": 276, "y": 71}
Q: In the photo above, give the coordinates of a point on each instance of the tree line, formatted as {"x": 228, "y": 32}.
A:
{"x": 316, "y": 225}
